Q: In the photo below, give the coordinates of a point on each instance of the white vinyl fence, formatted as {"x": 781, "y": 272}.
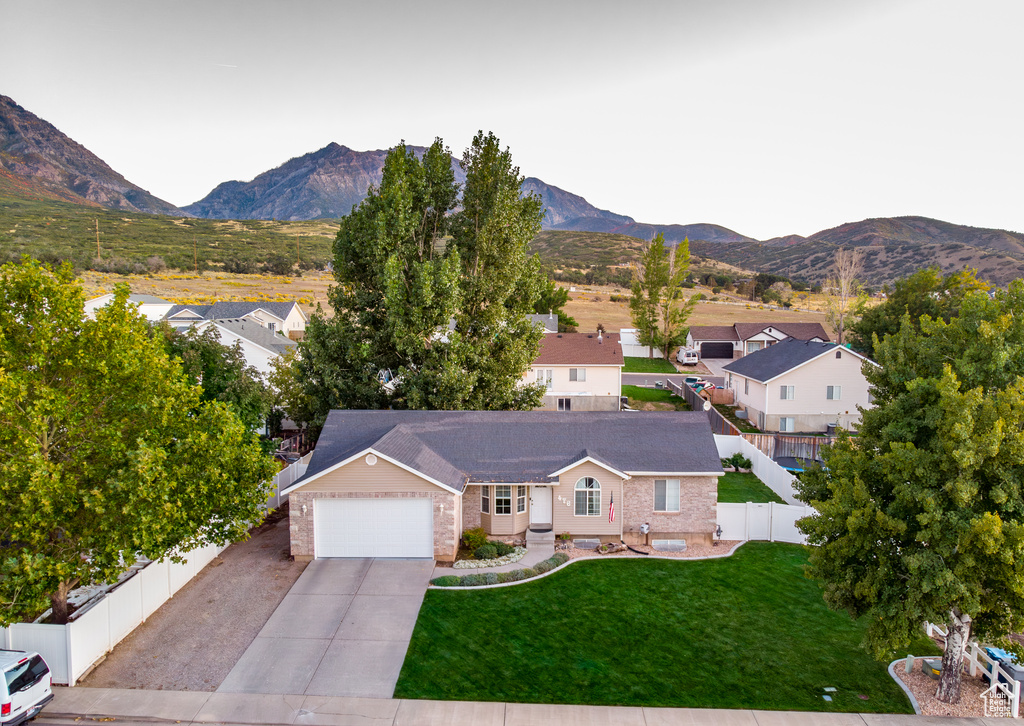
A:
{"x": 71, "y": 650}
{"x": 285, "y": 478}
{"x": 771, "y": 521}
{"x": 1001, "y": 683}
{"x": 778, "y": 479}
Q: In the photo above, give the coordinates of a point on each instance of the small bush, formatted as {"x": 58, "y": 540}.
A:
{"x": 739, "y": 461}
{"x": 716, "y": 289}
{"x": 619, "y": 298}
{"x": 560, "y": 558}
{"x": 698, "y": 296}
{"x": 515, "y": 576}
{"x": 237, "y": 266}
{"x": 446, "y": 581}
{"x": 502, "y": 576}
{"x": 486, "y": 552}
{"x": 473, "y": 538}
{"x": 156, "y": 263}
{"x": 277, "y": 264}
{"x": 542, "y": 567}
{"x": 491, "y": 578}
{"x": 503, "y": 549}
{"x": 475, "y": 580}
{"x": 528, "y": 573}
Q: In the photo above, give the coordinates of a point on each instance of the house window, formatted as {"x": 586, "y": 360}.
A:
{"x": 753, "y": 346}
{"x": 565, "y": 404}
{"x": 833, "y": 393}
{"x": 577, "y": 374}
{"x": 503, "y": 499}
{"x": 787, "y": 393}
{"x": 544, "y": 376}
{"x": 746, "y": 386}
{"x": 520, "y": 499}
{"x": 485, "y": 500}
{"x": 271, "y": 327}
{"x": 787, "y": 424}
{"x": 588, "y": 497}
{"x": 839, "y": 354}
{"x": 666, "y": 495}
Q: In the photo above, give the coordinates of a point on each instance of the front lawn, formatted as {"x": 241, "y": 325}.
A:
{"x": 747, "y": 632}
{"x": 638, "y": 395}
{"x": 636, "y": 364}
{"x": 739, "y": 487}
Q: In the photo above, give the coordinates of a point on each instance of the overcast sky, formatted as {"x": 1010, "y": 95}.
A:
{"x": 768, "y": 117}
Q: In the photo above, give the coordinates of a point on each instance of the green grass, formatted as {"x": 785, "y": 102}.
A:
{"x": 741, "y": 423}
{"x": 638, "y": 395}
{"x": 647, "y": 365}
{"x": 739, "y": 487}
{"x": 744, "y": 632}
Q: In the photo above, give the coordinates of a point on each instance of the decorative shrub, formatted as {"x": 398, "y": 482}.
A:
{"x": 503, "y": 549}
{"x": 502, "y": 576}
{"x": 565, "y": 536}
{"x": 473, "y": 538}
{"x": 446, "y": 581}
{"x": 486, "y": 552}
{"x": 559, "y": 558}
{"x": 528, "y": 573}
{"x": 739, "y": 461}
{"x": 474, "y": 580}
{"x": 515, "y": 576}
{"x": 490, "y": 578}
{"x": 542, "y": 567}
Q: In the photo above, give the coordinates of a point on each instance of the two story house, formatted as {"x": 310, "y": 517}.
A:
{"x": 582, "y": 371}
{"x": 800, "y": 386}
{"x": 286, "y": 318}
{"x": 739, "y": 339}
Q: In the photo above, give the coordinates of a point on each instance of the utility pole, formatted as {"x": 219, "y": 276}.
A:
{"x": 298, "y": 260}
{"x": 97, "y": 238}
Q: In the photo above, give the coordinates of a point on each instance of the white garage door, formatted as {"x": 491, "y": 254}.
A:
{"x": 374, "y": 527}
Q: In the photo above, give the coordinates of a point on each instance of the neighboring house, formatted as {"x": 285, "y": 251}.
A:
{"x": 631, "y": 345}
{"x": 150, "y": 307}
{"x": 800, "y": 386}
{"x": 407, "y": 483}
{"x": 548, "y": 322}
{"x": 280, "y": 317}
{"x": 260, "y": 345}
{"x": 738, "y": 339}
{"x": 582, "y": 371}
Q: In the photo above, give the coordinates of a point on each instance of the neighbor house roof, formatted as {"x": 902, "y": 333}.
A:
{"x": 259, "y": 335}
{"x": 713, "y": 332}
{"x": 226, "y": 310}
{"x": 548, "y": 322}
{"x": 744, "y": 331}
{"x": 580, "y": 349}
{"x": 773, "y": 361}
{"x": 458, "y": 447}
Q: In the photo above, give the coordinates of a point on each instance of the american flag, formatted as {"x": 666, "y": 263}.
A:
{"x": 611, "y": 509}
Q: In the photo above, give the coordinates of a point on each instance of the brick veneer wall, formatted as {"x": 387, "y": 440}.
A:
{"x": 447, "y": 524}
{"x": 471, "y": 508}
{"x": 695, "y": 521}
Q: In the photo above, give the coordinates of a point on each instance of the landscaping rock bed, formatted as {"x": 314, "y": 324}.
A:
{"x": 692, "y": 550}
{"x": 516, "y": 555}
{"x": 923, "y": 688}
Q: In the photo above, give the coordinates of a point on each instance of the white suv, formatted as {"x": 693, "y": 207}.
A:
{"x": 24, "y": 686}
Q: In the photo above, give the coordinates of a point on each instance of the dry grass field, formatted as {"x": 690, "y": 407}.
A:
{"x": 590, "y": 305}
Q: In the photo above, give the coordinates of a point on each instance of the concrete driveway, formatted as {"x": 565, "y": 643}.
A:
{"x": 342, "y": 630}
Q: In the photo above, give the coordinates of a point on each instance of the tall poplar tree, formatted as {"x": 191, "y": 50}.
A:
{"x": 658, "y": 308}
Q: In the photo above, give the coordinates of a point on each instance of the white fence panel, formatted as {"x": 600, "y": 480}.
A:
{"x": 50, "y": 641}
{"x": 89, "y": 638}
{"x": 154, "y": 579}
{"x": 732, "y": 518}
{"x": 759, "y": 521}
{"x": 784, "y": 519}
{"x": 178, "y": 574}
{"x": 125, "y": 603}
{"x": 727, "y": 445}
{"x": 774, "y": 476}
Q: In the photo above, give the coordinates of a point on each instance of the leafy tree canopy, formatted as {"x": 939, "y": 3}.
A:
{"x": 106, "y": 450}
{"x": 921, "y": 517}
{"x": 552, "y": 299}
{"x": 926, "y": 292}
{"x": 658, "y": 308}
{"x": 431, "y": 302}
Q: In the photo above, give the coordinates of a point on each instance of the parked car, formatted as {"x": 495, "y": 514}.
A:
{"x": 687, "y": 356}
{"x": 24, "y": 687}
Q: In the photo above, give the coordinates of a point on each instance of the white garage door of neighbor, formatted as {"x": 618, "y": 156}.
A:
{"x": 374, "y": 527}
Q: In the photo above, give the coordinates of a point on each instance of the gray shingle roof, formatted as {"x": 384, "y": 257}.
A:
{"x": 455, "y": 447}
{"x": 766, "y": 364}
{"x": 258, "y": 334}
{"x": 225, "y": 310}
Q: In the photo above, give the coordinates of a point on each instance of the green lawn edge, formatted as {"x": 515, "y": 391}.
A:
{"x": 635, "y": 364}
{"x": 738, "y": 487}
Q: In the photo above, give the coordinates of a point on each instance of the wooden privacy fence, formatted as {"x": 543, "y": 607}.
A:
{"x": 799, "y": 447}
{"x": 71, "y": 650}
{"x": 719, "y": 424}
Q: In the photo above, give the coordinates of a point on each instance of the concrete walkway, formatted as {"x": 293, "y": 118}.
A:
{"x": 239, "y": 708}
{"x": 535, "y": 554}
{"x": 342, "y": 630}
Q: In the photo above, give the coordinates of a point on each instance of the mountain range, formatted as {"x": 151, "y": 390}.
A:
{"x": 39, "y": 161}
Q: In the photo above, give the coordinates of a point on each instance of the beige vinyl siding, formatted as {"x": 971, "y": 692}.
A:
{"x": 360, "y": 476}
{"x": 503, "y": 524}
{"x": 564, "y": 517}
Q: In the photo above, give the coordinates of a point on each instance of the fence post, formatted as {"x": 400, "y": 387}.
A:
{"x": 771, "y": 521}
{"x": 974, "y": 659}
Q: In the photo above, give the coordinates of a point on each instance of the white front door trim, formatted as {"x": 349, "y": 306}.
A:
{"x": 540, "y": 505}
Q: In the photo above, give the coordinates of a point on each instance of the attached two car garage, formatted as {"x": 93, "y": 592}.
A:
{"x": 352, "y": 527}
{"x": 716, "y": 350}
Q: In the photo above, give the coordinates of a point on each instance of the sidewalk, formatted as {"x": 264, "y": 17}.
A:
{"x": 244, "y": 708}
{"x": 532, "y": 557}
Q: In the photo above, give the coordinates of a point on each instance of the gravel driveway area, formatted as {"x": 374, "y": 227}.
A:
{"x": 196, "y": 637}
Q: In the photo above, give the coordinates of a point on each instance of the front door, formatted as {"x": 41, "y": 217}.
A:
{"x": 540, "y": 505}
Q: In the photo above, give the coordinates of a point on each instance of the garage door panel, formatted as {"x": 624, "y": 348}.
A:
{"x": 716, "y": 350}
{"x": 351, "y": 527}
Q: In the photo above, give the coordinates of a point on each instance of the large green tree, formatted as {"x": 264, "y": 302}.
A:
{"x": 658, "y": 307}
{"x": 553, "y": 299}
{"x": 921, "y": 517}
{"x": 107, "y": 451}
{"x": 926, "y": 292}
{"x": 431, "y": 302}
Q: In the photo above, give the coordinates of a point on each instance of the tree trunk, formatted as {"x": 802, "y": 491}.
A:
{"x": 59, "y": 601}
{"x": 953, "y": 657}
